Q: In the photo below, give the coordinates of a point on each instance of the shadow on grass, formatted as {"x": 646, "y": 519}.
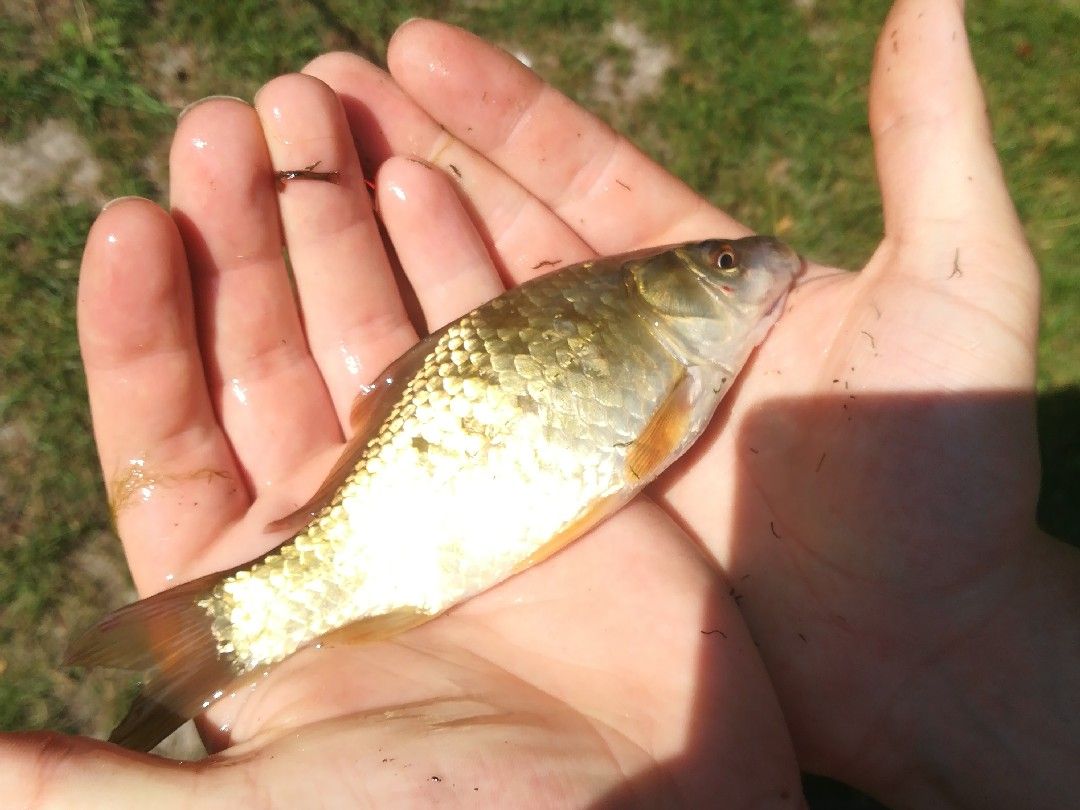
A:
{"x": 859, "y": 522}
{"x": 1059, "y": 446}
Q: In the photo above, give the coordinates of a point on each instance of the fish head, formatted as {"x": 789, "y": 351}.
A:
{"x": 713, "y": 301}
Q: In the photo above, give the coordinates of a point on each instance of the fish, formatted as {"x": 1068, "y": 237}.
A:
{"x": 480, "y": 452}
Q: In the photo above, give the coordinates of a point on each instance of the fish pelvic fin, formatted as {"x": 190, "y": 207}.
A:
{"x": 376, "y": 628}
{"x": 169, "y": 635}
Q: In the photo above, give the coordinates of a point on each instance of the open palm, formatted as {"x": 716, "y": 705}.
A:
{"x": 619, "y": 670}
{"x": 869, "y": 490}
{"x": 838, "y": 498}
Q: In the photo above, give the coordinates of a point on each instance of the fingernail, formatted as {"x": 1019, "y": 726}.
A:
{"x": 116, "y": 200}
{"x": 195, "y": 104}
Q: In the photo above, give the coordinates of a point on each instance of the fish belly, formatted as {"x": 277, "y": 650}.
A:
{"x": 516, "y": 427}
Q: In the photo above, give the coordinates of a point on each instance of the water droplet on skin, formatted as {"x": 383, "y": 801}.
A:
{"x": 352, "y": 362}
{"x": 238, "y": 391}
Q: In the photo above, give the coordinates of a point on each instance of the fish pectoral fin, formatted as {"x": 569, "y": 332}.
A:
{"x": 369, "y": 411}
{"x": 663, "y": 434}
{"x": 376, "y": 628}
{"x": 170, "y": 635}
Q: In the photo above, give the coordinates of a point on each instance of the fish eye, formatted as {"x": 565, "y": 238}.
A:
{"x": 723, "y": 257}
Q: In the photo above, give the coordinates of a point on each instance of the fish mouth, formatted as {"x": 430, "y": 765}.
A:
{"x": 777, "y": 305}
{"x": 800, "y": 269}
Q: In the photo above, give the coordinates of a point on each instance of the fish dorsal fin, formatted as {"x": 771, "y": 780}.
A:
{"x": 664, "y": 432}
{"x": 348, "y": 459}
{"x": 369, "y": 411}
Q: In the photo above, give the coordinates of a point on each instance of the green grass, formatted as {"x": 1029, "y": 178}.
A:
{"x": 763, "y": 110}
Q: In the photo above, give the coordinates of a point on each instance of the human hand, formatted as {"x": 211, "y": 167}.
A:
{"x": 618, "y": 671}
{"x": 870, "y": 486}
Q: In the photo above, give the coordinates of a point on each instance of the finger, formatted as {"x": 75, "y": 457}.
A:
{"x": 518, "y": 229}
{"x": 435, "y": 241}
{"x": 352, "y": 310}
{"x": 944, "y": 196}
{"x": 45, "y": 769}
{"x": 935, "y": 154}
{"x": 269, "y": 395}
{"x": 50, "y": 770}
{"x": 172, "y": 480}
{"x": 594, "y": 179}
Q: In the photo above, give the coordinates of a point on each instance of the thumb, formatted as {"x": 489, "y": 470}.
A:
{"x": 50, "y": 770}
{"x": 948, "y": 214}
{"x": 933, "y": 144}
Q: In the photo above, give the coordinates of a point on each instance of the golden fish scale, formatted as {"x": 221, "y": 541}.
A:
{"x": 517, "y": 423}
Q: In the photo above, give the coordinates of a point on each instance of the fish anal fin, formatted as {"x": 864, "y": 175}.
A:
{"x": 370, "y": 409}
{"x": 584, "y": 521}
{"x": 663, "y": 434}
{"x": 376, "y": 628}
{"x": 169, "y": 635}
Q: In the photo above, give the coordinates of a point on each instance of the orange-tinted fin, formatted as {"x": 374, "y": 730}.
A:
{"x": 376, "y": 628}
{"x": 663, "y": 434}
{"x": 588, "y": 518}
{"x": 169, "y": 635}
{"x": 369, "y": 411}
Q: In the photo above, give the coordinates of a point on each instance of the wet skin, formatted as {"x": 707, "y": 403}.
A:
{"x": 911, "y": 593}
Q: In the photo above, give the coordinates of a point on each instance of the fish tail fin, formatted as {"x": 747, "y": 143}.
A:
{"x": 170, "y": 635}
